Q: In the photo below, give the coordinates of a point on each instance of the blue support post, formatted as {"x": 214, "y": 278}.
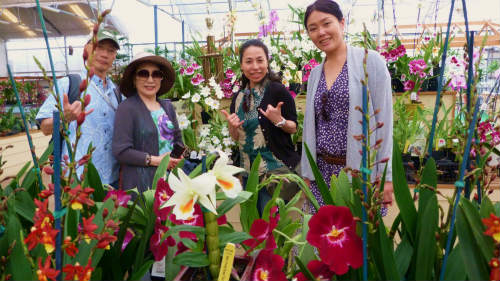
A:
{"x": 156, "y": 28}
{"x": 56, "y": 136}
{"x": 470, "y": 76}
{"x": 364, "y": 172}
{"x": 30, "y": 142}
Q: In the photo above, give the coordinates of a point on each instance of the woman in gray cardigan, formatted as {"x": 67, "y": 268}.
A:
{"x": 334, "y": 91}
{"x": 146, "y": 127}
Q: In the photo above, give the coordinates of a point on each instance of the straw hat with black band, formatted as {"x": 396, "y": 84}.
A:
{"x": 127, "y": 87}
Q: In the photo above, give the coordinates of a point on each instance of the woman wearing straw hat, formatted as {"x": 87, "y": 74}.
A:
{"x": 146, "y": 127}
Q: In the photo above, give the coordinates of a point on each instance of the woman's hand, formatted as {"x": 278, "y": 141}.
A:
{"x": 273, "y": 113}
{"x": 173, "y": 162}
{"x": 233, "y": 122}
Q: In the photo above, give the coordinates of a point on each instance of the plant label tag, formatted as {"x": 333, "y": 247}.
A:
{"x": 158, "y": 269}
{"x": 226, "y": 266}
{"x": 413, "y": 96}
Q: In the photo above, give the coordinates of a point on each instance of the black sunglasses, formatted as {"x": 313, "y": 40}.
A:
{"x": 145, "y": 74}
{"x": 324, "y": 101}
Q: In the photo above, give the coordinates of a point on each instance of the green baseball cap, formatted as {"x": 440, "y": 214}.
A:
{"x": 107, "y": 34}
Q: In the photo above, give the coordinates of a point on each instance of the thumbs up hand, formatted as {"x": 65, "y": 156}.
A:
{"x": 273, "y": 113}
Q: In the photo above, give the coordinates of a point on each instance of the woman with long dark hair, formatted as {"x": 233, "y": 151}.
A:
{"x": 263, "y": 116}
{"x": 334, "y": 92}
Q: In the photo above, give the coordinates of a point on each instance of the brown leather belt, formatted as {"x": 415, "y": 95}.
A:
{"x": 331, "y": 159}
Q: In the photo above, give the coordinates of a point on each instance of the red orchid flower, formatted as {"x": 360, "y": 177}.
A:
{"x": 333, "y": 231}
{"x": 493, "y": 225}
{"x": 162, "y": 194}
{"x": 78, "y": 272}
{"x": 104, "y": 240}
{"x": 262, "y": 230}
{"x": 118, "y": 195}
{"x": 46, "y": 193}
{"x": 69, "y": 247}
{"x": 157, "y": 247}
{"x": 111, "y": 224}
{"x": 319, "y": 270}
{"x": 88, "y": 228}
{"x": 80, "y": 197}
{"x": 47, "y": 237}
{"x": 45, "y": 272}
{"x": 495, "y": 269}
{"x": 268, "y": 266}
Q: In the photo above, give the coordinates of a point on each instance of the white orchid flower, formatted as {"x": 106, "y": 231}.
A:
{"x": 188, "y": 191}
{"x": 223, "y": 173}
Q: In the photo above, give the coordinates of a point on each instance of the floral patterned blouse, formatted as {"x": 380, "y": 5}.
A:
{"x": 165, "y": 130}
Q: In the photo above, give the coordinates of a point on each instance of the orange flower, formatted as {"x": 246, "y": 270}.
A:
{"x": 45, "y": 272}
{"x": 495, "y": 269}
{"x": 69, "y": 247}
{"x": 104, "y": 240}
{"x": 80, "y": 197}
{"x": 493, "y": 225}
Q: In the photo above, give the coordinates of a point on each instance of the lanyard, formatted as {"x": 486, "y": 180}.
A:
{"x": 104, "y": 96}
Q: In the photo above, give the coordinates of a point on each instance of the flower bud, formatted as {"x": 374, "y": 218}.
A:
{"x": 95, "y": 30}
{"x": 105, "y": 213}
{"x": 48, "y": 170}
{"x": 380, "y": 125}
{"x": 66, "y": 157}
{"x": 105, "y": 13}
{"x": 86, "y": 100}
{"x": 85, "y": 54}
{"x": 83, "y": 85}
{"x": 91, "y": 72}
{"x": 358, "y": 137}
{"x": 80, "y": 118}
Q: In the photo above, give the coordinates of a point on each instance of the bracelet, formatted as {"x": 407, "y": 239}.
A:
{"x": 148, "y": 159}
{"x": 281, "y": 123}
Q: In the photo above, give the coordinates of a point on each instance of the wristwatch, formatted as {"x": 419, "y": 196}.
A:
{"x": 148, "y": 159}
{"x": 281, "y": 123}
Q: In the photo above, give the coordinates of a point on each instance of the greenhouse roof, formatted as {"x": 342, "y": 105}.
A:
{"x": 19, "y": 19}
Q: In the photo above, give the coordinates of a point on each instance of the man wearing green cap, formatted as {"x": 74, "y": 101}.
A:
{"x": 97, "y": 130}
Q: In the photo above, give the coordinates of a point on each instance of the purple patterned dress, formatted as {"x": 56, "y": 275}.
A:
{"x": 331, "y": 108}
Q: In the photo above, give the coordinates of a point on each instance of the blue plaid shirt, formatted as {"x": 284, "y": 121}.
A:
{"x": 97, "y": 128}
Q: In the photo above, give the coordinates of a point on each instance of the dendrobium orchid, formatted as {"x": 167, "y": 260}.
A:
{"x": 188, "y": 191}
{"x": 223, "y": 172}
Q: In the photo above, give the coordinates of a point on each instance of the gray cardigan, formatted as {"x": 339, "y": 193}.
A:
{"x": 136, "y": 135}
{"x": 379, "y": 85}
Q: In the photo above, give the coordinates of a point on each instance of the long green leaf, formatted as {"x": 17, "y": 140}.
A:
{"x": 486, "y": 208}
{"x": 139, "y": 274}
{"x": 192, "y": 259}
{"x": 303, "y": 268}
{"x": 426, "y": 237}
{"x": 171, "y": 269}
{"x": 387, "y": 262}
{"x": 25, "y": 205}
{"x": 229, "y": 203}
{"x": 174, "y": 230}
{"x": 320, "y": 182}
{"x": 161, "y": 170}
{"x": 235, "y": 238}
{"x": 306, "y": 251}
{"x": 477, "y": 228}
{"x": 473, "y": 262}
{"x": 455, "y": 269}
{"x": 93, "y": 180}
{"x": 403, "y": 256}
{"x": 18, "y": 264}
{"x": 402, "y": 194}
{"x": 249, "y": 211}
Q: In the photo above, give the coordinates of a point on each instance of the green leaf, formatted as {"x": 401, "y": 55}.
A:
{"x": 171, "y": 269}
{"x": 426, "y": 237}
{"x": 25, "y": 205}
{"x": 303, "y": 268}
{"x": 192, "y": 259}
{"x": 403, "y": 256}
{"x": 473, "y": 262}
{"x": 306, "y": 251}
{"x": 189, "y": 243}
{"x": 139, "y": 274}
{"x": 229, "y": 203}
{"x": 21, "y": 172}
{"x": 161, "y": 170}
{"x": 320, "y": 182}
{"x": 383, "y": 254}
{"x": 18, "y": 264}
{"x": 272, "y": 201}
{"x": 477, "y": 228}
{"x": 402, "y": 194}
{"x": 198, "y": 230}
{"x": 249, "y": 211}
{"x": 93, "y": 180}
{"x": 234, "y": 237}
{"x": 455, "y": 269}
{"x": 486, "y": 208}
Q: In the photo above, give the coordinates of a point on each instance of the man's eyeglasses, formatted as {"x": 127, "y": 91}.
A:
{"x": 143, "y": 74}
{"x": 324, "y": 101}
